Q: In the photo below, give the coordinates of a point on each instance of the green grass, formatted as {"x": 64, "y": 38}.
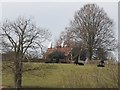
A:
{"x": 64, "y": 76}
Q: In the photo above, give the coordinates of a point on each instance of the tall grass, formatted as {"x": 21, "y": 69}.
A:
{"x": 65, "y": 76}
{"x": 90, "y": 76}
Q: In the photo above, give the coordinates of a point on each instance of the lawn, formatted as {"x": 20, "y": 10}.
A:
{"x": 64, "y": 76}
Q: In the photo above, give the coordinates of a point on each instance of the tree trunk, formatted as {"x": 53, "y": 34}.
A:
{"x": 90, "y": 54}
{"x": 18, "y": 74}
{"x": 90, "y": 57}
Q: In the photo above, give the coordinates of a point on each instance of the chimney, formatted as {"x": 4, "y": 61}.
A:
{"x": 62, "y": 44}
{"x": 50, "y": 45}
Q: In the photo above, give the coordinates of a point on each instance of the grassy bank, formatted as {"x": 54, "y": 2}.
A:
{"x": 64, "y": 76}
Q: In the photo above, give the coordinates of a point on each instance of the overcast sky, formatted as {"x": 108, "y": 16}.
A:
{"x": 54, "y": 16}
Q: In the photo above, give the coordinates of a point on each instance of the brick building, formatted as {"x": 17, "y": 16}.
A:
{"x": 64, "y": 49}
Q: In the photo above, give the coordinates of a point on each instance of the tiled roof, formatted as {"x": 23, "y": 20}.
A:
{"x": 66, "y": 50}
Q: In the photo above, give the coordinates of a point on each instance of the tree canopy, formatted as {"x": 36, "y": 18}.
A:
{"x": 22, "y": 37}
{"x": 91, "y": 26}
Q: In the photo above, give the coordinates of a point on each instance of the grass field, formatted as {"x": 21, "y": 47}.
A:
{"x": 64, "y": 76}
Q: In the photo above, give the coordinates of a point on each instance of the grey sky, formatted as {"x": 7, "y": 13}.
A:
{"x": 54, "y": 16}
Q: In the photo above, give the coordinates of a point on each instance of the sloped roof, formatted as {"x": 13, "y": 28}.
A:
{"x": 65, "y": 50}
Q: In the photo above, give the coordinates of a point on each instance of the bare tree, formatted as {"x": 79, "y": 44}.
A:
{"x": 94, "y": 28}
{"x": 68, "y": 38}
{"x": 22, "y": 36}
